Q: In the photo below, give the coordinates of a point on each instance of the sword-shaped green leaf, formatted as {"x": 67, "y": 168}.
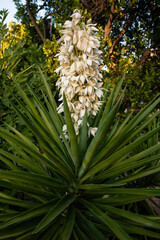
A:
{"x": 103, "y": 217}
{"x": 71, "y": 133}
{"x": 69, "y": 223}
{"x": 82, "y": 146}
{"x": 99, "y": 138}
{"x": 55, "y": 211}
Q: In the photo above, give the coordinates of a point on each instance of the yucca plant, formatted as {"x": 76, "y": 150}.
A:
{"x": 68, "y": 184}
{"x": 82, "y": 188}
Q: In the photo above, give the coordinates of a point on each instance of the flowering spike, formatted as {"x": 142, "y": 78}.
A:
{"x": 80, "y": 78}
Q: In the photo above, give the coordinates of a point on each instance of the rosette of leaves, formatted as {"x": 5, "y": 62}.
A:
{"x": 83, "y": 188}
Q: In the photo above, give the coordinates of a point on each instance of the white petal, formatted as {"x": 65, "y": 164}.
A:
{"x": 89, "y": 21}
{"x": 69, "y": 89}
{"x": 85, "y": 91}
{"x": 61, "y": 39}
{"x": 70, "y": 48}
{"x": 67, "y": 24}
{"x": 78, "y": 15}
{"x": 94, "y": 113}
{"x": 75, "y": 117}
{"x": 89, "y": 62}
{"x": 60, "y": 110}
{"x": 81, "y": 99}
{"x": 89, "y": 49}
{"x": 80, "y": 33}
{"x": 75, "y": 37}
{"x": 82, "y": 112}
{"x": 64, "y": 128}
{"x": 67, "y": 38}
{"x": 82, "y": 78}
{"x": 79, "y": 45}
{"x": 66, "y": 82}
{"x": 79, "y": 106}
{"x": 58, "y": 69}
{"x": 87, "y": 104}
{"x": 72, "y": 68}
{"x": 76, "y": 129}
{"x": 84, "y": 57}
{"x": 93, "y": 131}
{"x": 94, "y": 29}
{"x": 78, "y": 89}
{"x": 99, "y": 84}
{"x": 99, "y": 93}
{"x": 79, "y": 122}
{"x": 89, "y": 89}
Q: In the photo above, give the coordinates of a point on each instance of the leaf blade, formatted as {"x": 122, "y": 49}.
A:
{"x": 56, "y": 211}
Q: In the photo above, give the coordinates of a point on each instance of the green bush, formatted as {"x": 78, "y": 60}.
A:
{"x": 19, "y": 58}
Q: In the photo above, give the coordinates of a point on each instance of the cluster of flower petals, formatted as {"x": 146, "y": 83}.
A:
{"x": 80, "y": 77}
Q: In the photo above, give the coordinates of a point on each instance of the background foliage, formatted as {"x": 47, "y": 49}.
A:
{"x": 130, "y": 33}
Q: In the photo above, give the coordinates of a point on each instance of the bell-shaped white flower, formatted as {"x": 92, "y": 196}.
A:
{"x": 76, "y": 17}
{"x": 67, "y": 24}
{"x": 92, "y": 131}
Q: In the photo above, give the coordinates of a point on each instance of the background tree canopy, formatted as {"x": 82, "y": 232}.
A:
{"x": 129, "y": 30}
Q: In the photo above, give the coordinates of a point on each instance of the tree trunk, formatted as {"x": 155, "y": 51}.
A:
{"x": 34, "y": 21}
{"x": 116, "y": 41}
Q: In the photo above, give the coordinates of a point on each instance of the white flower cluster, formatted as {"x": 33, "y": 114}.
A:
{"x": 80, "y": 78}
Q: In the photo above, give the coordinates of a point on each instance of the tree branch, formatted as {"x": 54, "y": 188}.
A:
{"x": 143, "y": 59}
{"x": 125, "y": 27}
{"x": 51, "y": 14}
{"x": 108, "y": 28}
{"x": 44, "y": 28}
{"x": 95, "y": 7}
{"x": 34, "y": 21}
